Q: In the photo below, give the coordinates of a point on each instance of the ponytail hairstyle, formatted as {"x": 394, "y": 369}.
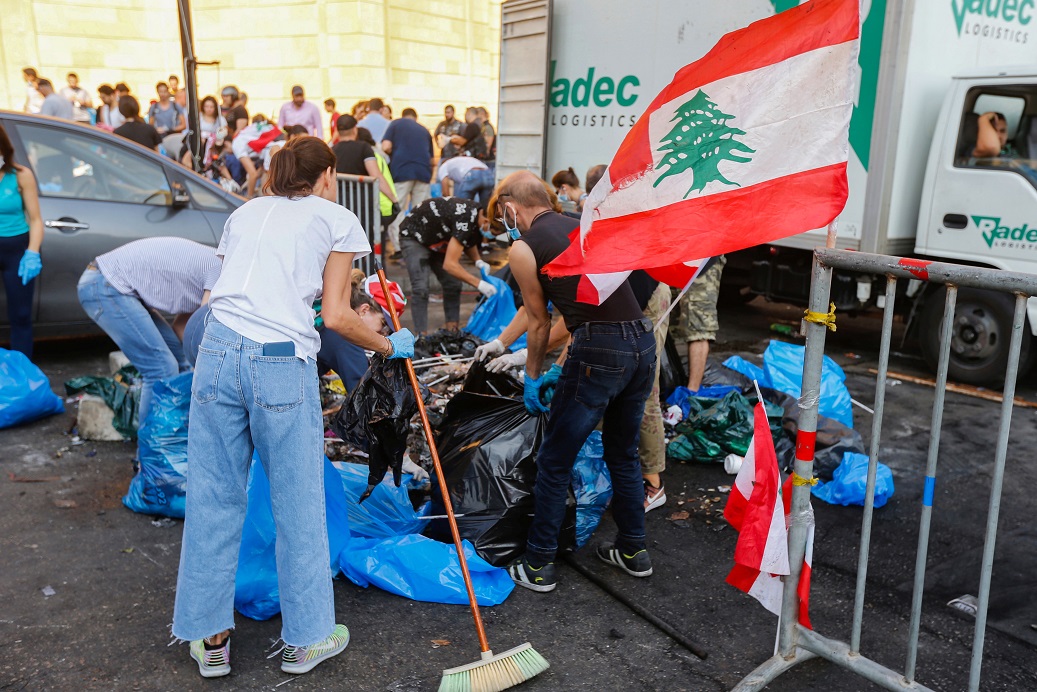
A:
{"x": 297, "y": 166}
{"x": 566, "y": 177}
{"x": 358, "y": 296}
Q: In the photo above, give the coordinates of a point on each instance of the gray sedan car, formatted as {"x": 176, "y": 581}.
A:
{"x": 99, "y": 191}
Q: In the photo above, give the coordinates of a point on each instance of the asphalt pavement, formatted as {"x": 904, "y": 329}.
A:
{"x": 113, "y": 572}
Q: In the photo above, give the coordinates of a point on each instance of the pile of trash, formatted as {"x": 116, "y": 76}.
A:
{"x": 715, "y": 424}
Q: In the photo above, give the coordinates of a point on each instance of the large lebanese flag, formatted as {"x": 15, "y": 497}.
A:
{"x": 747, "y": 145}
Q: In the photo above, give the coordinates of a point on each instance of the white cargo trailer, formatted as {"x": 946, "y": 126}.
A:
{"x": 576, "y": 75}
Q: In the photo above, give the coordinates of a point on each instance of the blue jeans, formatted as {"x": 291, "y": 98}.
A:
{"x": 242, "y": 401}
{"x": 477, "y": 185}
{"x": 19, "y": 297}
{"x": 606, "y": 377}
{"x": 142, "y": 334}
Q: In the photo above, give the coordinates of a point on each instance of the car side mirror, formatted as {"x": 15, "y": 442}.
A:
{"x": 181, "y": 197}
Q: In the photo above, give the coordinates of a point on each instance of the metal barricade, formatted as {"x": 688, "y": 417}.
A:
{"x": 359, "y": 194}
{"x": 796, "y": 643}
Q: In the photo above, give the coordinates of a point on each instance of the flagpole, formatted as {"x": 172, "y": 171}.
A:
{"x": 677, "y": 300}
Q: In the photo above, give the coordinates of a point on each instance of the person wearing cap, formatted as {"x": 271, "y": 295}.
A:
{"x": 354, "y": 157}
{"x": 299, "y": 111}
{"x": 233, "y": 109}
{"x": 433, "y": 238}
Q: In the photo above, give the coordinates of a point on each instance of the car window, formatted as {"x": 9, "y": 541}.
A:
{"x": 71, "y": 164}
{"x": 204, "y": 197}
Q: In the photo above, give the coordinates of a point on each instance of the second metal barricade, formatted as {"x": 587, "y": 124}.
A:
{"x": 796, "y": 643}
{"x": 359, "y": 194}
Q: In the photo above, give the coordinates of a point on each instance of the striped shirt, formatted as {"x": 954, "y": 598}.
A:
{"x": 166, "y": 274}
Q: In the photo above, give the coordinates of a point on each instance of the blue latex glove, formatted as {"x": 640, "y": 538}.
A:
{"x": 30, "y": 266}
{"x": 402, "y": 344}
{"x": 548, "y": 383}
{"x": 531, "y": 394}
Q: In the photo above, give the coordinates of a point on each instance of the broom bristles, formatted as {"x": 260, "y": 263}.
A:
{"x": 497, "y": 673}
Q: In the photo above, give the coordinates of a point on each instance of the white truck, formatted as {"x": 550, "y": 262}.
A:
{"x": 576, "y": 74}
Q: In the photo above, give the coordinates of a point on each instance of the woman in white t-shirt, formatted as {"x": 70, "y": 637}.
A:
{"x": 255, "y": 389}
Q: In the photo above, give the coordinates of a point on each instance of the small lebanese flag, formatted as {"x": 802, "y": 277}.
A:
{"x": 761, "y": 515}
{"x": 746, "y": 145}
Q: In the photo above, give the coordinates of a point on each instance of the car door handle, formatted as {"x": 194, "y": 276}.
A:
{"x": 955, "y": 221}
{"x": 66, "y": 224}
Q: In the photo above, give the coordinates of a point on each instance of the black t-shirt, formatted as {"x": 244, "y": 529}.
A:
{"x": 643, "y": 287}
{"x": 435, "y": 221}
{"x": 475, "y": 145}
{"x": 350, "y": 157}
{"x": 233, "y": 115}
{"x": 454, "y": 127}
{"x": 548, "y": 237}
{"x": 141, "y": 133}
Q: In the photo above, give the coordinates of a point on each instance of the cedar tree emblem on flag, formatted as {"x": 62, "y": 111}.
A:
{"x": 699, "y": 141}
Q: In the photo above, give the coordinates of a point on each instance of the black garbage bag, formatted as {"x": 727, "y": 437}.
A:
{"x": 671, "y": 370}
{"x": 833, "y": 438}
{"x": 488, "y": 446}
{"x": 716, "y": 375}
{"x": 444, "y": 342}
{"x": 481, "y": 381}
{"x": 376, "y": 418}
{"x": 121, "y": 392}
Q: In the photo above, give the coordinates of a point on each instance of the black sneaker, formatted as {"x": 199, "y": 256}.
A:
{"x": 636, "y": 565}
{"x": 541, "y": 579}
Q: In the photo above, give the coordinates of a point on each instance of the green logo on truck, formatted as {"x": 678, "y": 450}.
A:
{"x": 993, "y": 231}
{"x": 1009, "y": 11}
{"x": 602, "y": 91}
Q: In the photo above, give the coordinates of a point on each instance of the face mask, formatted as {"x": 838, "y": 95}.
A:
{"x": 513, "y": 231}
{"x": 563, "y": 197}
{"x": 2, "y": 162}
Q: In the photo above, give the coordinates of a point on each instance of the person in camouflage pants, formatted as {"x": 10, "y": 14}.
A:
{"x": 697, "y": 324}
{"x": 652, "y": 446}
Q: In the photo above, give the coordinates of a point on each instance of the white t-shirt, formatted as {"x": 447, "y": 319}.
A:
{"x": 457, "y": 167}
{"x": 274, "y": 251}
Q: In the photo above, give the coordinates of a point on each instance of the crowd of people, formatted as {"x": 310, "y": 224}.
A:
{"x": 310, "y": 312}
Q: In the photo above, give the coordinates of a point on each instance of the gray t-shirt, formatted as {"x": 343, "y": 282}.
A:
{"x": 57, "y": 106}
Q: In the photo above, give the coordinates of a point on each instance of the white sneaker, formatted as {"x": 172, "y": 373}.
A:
{"x": 303, "y": 659}
{"x": 654, "y": 497}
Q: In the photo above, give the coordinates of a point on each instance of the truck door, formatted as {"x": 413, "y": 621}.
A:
{"x": 524, "y": 68}
{"x": 983, "y": 187}
{"x": 979, "y": 206}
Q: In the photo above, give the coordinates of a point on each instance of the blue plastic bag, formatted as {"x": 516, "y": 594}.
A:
{"x": 256, "y": 593}
{"x": 160, "y": 486}
{"x": 25, "y": 393}
{"x": 750, "y": 370}
{"x": 850, "y": 482}
{"x": 592, "y": 486}
{"x": 422, "y": 569}
{"x": 783, "y": 364}
{"x": 387, "y": 512}
{"x": 493, "y": 314}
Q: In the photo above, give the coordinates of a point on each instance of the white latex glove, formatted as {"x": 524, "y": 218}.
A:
{"x": 489, "y": 350}
{"x": 509, "y": 360}
{"x": 420, "y": 474}
{"x": 482, "y": 266}
{"x": 487, "y": 289}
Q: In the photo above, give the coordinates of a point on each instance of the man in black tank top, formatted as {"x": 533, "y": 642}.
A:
{"x": 607, "y": 376}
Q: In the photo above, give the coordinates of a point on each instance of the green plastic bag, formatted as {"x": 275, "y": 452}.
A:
{"x": 715, "y": 428}
{"x": 121, "y": 393}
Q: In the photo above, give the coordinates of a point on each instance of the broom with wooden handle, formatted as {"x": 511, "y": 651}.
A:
{"x": 493, "y": 672}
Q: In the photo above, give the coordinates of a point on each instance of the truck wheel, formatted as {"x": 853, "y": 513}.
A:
{"x": 980, "y": 338}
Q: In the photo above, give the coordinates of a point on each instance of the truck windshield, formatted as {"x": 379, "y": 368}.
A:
{"x": 999, "y": 130}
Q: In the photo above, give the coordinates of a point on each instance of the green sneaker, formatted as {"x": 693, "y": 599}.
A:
{"x": 303, "y": 659}
{"x": 212, "y": 663}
